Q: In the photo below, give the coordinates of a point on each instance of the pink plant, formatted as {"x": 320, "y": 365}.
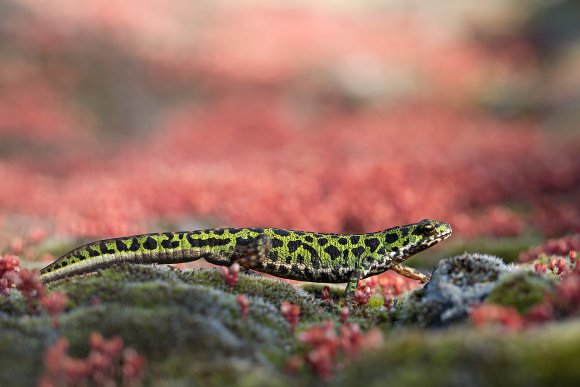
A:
{"x": 243, "y": 301}
{"x": 345, "y": 311}
{"x": 558, "y": 266}
{"x": 134, "y": 366}
{"x": 231, "y": 274}
{"x": 106, "y": 363}
{"x": 30, "y": 286}
{"x": 294, "y": 364}
{"x": 362, "y": 295}
{"x": 326, "y": 294}
{"x": 395, "y": 284}
{"x": 565, "y": 246}
{"x": 9, "y": 263}
{"x": 54, "y": 303}
{"x": 568, "y": 293}
{"x": 327, "y": 349}
{"x": 504, "y": 316}
{"x": 541, "y": 313}
{"x": 291, "y": 313}
{"x": 540, "y": 268}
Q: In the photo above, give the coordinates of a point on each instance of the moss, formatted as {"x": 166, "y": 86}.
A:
{"x": 522, "y": 290}
{"x": 217, "y": 372}
{"x": 165, "y": 314}
{"x": 187, "y": 324}
{"x": 462, "y": 357}
{"x": 336, "y": 291}
{"x": 22, "y": 342}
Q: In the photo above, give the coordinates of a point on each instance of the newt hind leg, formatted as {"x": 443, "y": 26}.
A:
{"x": 247, "y": 255}
{"x": 254, "y": 252}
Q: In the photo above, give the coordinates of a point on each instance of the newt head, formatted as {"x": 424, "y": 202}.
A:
{"x": 405, "y": 241}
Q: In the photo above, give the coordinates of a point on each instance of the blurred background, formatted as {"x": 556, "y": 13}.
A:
{"x": 119, "y": 118}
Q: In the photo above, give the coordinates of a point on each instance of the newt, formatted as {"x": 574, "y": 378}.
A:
{"x": 291, "y": 254}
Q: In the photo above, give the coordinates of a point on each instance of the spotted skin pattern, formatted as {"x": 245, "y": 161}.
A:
{"x": 292, "y": 254}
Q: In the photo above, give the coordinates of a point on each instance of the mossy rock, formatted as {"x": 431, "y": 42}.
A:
{"x": 522, "y": 290}
{"x": 455, "y": 285}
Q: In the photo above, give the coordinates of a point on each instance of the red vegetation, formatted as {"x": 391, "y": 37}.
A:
{"x": 54, "y": 303}
{"x": 326, "y": 349}
{"x": 107, "y": 363}
{"x": 28, "y": 283}
{"x": 506, "y": 317}
{"x": 231, "y": 274}
{"x": 391, "y": 283}
{"x": 244, "y": 303}
{"x": 362, "y": 295}
{"x": 269, "y": 124}
{"x": 326, "y": 294}
{"x": 552, "y": 258}
{"x": 291, "y": 313}
{"x": 566, "y": 246}
{"x": 344, "y": 313}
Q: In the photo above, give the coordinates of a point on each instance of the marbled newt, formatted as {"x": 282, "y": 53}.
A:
{"x": 297, "y": 255}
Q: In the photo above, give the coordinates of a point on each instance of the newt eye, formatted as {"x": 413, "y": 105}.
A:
{"x": 428, "y": 229}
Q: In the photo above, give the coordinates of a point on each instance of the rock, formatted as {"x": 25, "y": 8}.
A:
{"x": 455, "y": 285}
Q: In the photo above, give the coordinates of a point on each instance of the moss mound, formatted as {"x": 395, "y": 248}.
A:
{"x": 188, "y": 325}
{"x": 462, "y": 357}
{"x": 179, "y": 320}
{"x": 522, "y": 290}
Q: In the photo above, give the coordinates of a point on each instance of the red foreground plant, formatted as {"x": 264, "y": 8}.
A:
{"x": 54, "y": 303}
{"x": 327, "y": 349}
{"x": 504, "y": 316}
{"x": 362, "y": 295}
{"x": 231, "y": 274}
{"x": 106, "y": 364}
{"x": 326, "y": 294}
{"x": 244, "y": 303}
{"x": 291, "y": 313}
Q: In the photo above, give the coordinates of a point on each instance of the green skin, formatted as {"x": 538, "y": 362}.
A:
{"x": 297, "y": 255}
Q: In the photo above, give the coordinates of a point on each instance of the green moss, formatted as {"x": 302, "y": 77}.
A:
{"x": 169, "y": 316}
{"x": 466, "y": 357}
{"x": 522, "y": 290}
{"x": 336, "y": 291}
{"x": 188, "y": 325}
